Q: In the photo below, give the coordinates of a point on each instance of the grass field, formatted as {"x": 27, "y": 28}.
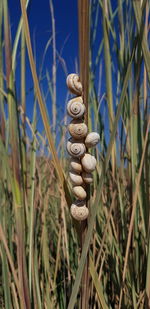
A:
{"x": 41, "y": 254}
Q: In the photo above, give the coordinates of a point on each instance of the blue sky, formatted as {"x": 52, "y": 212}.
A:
{"x": 66, "y": 23}
{"x": 41, "y": 31}
{"x": 40, "y": 23}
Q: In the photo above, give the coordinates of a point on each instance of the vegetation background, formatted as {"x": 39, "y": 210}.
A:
{"x": 40, "y": 255}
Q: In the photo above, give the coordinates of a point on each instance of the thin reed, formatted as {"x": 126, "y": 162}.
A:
{"x": 42, "y": 264}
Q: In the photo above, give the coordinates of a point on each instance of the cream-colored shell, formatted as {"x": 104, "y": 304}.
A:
{"x": 77, "y": 129}
{"x": 92, "y": 139}
{"x": 79, "y": 211}
{"x": 87, "y": 177}
{"x": 76, "y": 108}
{"x": 75, "y": 178}
{"x": 75, "y": 165}
{"x": 74, "y": 84}
{"x": 79, "y": 192}
{"x": 75, "y": 148}
{"x": 88, "y": 162}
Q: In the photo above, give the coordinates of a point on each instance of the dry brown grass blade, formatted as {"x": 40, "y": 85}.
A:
{"x": 83, "y": 21}
{"x": 83, "y": 18}
{"x": 79, "y": 32}
{"x": 2, "y": 117}
{"x": 133, "y": 213}
{"x": 4, "y": 241}
{"x": 8, "y": 59}
{"x": 53, "y": 67}
{"x": 106, "y": 228}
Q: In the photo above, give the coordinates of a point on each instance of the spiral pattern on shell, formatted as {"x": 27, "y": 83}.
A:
{"x": 75, "y": 148}
{"x": 76, "y": 108}
{"x": 74, "y": 84}
{"x": 81, "y": 163}
{"x": 77, "y": 129}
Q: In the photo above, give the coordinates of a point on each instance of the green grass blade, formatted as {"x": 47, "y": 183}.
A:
{"x": 31, "y": 202}
{"x": 6, "y": 280}
{"x": 145, "y": 48}
{"x": 16, "y": 42}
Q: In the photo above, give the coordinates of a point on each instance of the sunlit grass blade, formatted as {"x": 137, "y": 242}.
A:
{"x": 41, "y": 104}
{"x": 16, "y": 161}
{"x": 97, "y": 284}
{"x": 31, "y": 202}
{"x": 17, "y": 193}
{"x": 23, "y": 103}
{"x": 16, "y": 42}
{"x": 2, "y": 114}
{"x": 108, "y": 72}
{"x": 53, "y": 68}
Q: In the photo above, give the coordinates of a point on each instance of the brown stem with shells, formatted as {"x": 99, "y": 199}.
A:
{"x": 83, "y": 19}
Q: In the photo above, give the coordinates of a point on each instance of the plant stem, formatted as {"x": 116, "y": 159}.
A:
{"x": 83, "y": 18}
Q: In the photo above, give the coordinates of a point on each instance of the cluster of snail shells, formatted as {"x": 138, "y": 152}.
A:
{"x": 82, "y": 164}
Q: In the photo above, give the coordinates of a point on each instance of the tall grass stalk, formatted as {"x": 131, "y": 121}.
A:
{"x": 47, "y": 259}
{"x": 108, "y": 70}
{"x": 39, "y": 96}
{"x": 83, "y": 29}
{"x": 53, "y": 68}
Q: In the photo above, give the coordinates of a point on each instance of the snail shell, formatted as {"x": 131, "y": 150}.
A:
{"x": 88, "y": 162}
{"x": 79, "y": 192}
{"x": 76, "y": 108}
{"x": 76, "y": 165}
{"x": 79, "y": 211}
{"x": 78, "y": 129}
{"x": 75, "y": 148}
{"x": 87, "y": 177}
{"x": 92, "y": 139}
{"x": 74, "y": 84}
{"x": 75, "y": 178}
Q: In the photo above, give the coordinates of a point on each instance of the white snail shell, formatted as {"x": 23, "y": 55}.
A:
{"x": 88, "y": 162}
{"x": 78, "y": 129}
{"x": 75, "y": 178}
{"x": 75, "y": 148}
{"x": 92, "y": 139}
{"x": 76, "y": 108}
{"x": 87, "y": 177}
{"x": 76, "y": 165}
{"x": 74, "y": 84}
{"x": 79, "y": 211}
{"x": 79, "y": 192}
